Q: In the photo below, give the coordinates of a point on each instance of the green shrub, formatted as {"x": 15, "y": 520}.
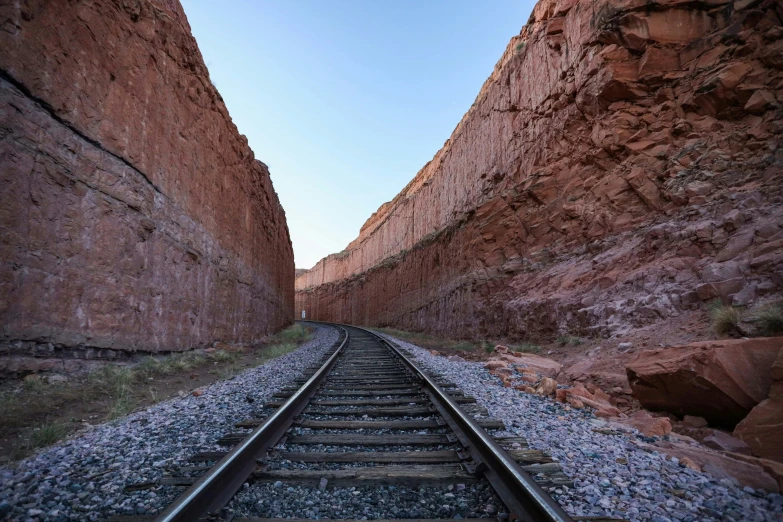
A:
{"x": 123, "y": 404}
{"x": 296, "y": 333}
{"x": 525, "y": 348}
{"x": 725, "y": 319}
{"x": 770, "y": 319}
{"x": 47, "y": 434}
{"x": 33, "y": 383}
{"x": 225, "y": 356}
{"x": 565, "y": 339}
{"x": 464, "y": 346}
{"x": 277, "y": 350}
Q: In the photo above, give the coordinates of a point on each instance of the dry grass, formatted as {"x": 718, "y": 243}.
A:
{"x": 764, "y": 320}
{"x": 34, "y": 413}
{"x": 474, "y": 348}
{"x": 47, "y": 434}
{"x": 293, "y": 334}
{"x": 568, "y": 340}
{"x": 725, "y": 319}
{"x": 769, "y": 319}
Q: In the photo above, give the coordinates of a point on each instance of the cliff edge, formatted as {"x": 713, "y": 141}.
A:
{"x": 134, "y": 215}
{"x": 621, "y": 165}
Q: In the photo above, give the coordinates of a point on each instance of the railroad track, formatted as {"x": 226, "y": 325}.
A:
{"x": 367, "y": 416}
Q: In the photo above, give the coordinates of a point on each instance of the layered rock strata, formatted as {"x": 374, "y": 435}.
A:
{"x": 134, "y": 215}
{"x": 620, "y": 165}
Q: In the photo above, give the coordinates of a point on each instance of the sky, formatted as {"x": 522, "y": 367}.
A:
{"x": 346, "y": 100}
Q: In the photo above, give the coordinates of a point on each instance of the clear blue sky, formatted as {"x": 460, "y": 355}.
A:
{"x": 346, "y": 100}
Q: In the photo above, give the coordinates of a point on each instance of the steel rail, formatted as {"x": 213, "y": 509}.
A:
{"x": 526, "y": 500}
{"x": 215, "y": 488}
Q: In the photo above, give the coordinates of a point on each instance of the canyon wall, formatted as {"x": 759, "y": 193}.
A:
{"x": 621, "y": 164}
{"x": 134, "y": 215}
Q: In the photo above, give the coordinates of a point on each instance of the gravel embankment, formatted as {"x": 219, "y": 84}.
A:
{"x": 612, "y": 476}
{"x": 84, "y": 478}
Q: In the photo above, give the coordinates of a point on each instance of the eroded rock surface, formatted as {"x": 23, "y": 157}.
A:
{"x": 621, "y": 165}
{"x": 134, "y": 215}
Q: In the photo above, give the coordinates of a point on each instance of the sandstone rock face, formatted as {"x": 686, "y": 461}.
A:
{"x": 762, "y": 429}
{"x": 617, "y": 149}
{"x": 134, "y": 215}
{"x": 718, "y": 380}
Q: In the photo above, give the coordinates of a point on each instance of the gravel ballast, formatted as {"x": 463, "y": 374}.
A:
{"x": 280, "y": 500}
{"x": 612, "y": 476}
{"x": 84, "y": 478}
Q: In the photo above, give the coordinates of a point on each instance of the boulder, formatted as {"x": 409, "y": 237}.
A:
{"x": 760, "y": 101}
{"x": 649, "y": 425}
{"x": 503, "y": 372}
{"x": 495, "y": 365}
{"x": 771, "y": 467}
{"x": 694, "y": 422}
{"x": 591, "y": 370}
{"x": 720, "y": 440}
{"x": 762, "y": 429}
{"x": 748, "y": 471}
{"x": 718, "y": 380}
{"x": 547, "y": 387}
{"x": 529, "y": 377}
{"x": 534, "y": 363}
{"x": 578, "y": 396}
{"x": 688, "y": 462}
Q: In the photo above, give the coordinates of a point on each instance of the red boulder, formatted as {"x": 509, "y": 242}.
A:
{"x": 762, "y": 429}
{"x": 718, "y": 380}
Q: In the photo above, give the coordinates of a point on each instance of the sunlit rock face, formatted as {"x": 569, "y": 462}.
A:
{"x": 621, "y": 164}
{"x": 134, "y": 215}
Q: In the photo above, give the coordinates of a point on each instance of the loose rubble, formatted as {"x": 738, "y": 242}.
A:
{"x": 84, "y": 478}
{"x": 616, "y": 471}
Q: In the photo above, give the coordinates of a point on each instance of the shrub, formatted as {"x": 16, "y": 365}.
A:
{"x": 225, "y": 356}
{"x": 568, "y": 339}
{"x": 47, "y": 434}
{"x": 33, "y": 383}
{"x": 278, "y": 350}
{"x": 124, "y": 403}
{"x": 725, "y": 319}
{"x": 488, "y": 346}
{"x": 295, "y": 333}
{"x": 525, "y": 348}
{"x": 770, "y": 319}
{"x": 464, "y": 346}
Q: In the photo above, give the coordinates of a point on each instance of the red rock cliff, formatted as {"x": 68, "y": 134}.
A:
{"x": 134, "y": 215}
{"x": 621, "y": 164}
